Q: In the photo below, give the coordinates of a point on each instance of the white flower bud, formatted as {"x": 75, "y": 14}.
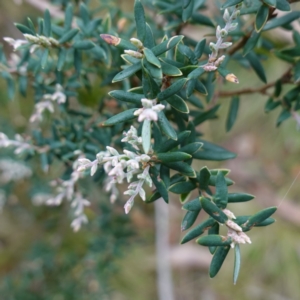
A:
{"x": 137, "y": 43}
{"x": 134, "y": 53}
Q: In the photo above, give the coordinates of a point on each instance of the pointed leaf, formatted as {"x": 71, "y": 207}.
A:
{"x": 178, "y": 103}
{"x": 127, "y": 97}
{"x": 198, "y": 230}
{"x": 140, "y": 20}
{"x": 146, "y": 136}
{"x": 237, "y": 263}
{"x": 165, "y": 126}
{"x": 129, "y": 71}
{"x": 193, "y": 205}
{"x": 221, "y": 196}
{"x": 232, "y": 114}
{"x": 229, "y": 3}
{"x": 182, "y": 187}
{"x": 257, "y": 66}
{"x": 121, "y": 117}
{"x": 172, "y": 156}
{"x": 213, "y": 210}
{"x": 261, "y": 17}
{"x": 239, "y": 197}
{"x": 151, "y": 58}
{"x": 189, "y": 219}
{"x": 286, "y": 19}
{"x": 173, "y": 89}
{"x": 159, "y": 184}
{"x": 214, "y": 240}
{"x": 182, "y": 168}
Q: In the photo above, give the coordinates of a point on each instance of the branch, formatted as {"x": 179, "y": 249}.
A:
{"x": 285, "y": 78}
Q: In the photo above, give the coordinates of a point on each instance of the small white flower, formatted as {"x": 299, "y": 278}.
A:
{"x": 233, "y": 225}
{"x": 128, "y": 206}
{"x": 15, "y": 43}
{"x": 149, "y": 110}
{"x": 229, "y": 214}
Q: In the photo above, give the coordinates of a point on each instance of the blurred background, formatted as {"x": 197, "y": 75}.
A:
{"x": 113, "y": 257}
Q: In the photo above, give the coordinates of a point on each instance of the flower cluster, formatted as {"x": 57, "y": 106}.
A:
{"x": 149, "y": 110}
{"x": 20, "y": 144}
{"x": 35, "y": 41}
{"x": 47, "y": 103}
{"x": 120, "y": 166}
{"x": 235, "y": 232}
{"x": 12, "y": 170}
{"x": 221, "y": 33}
{"x": 67, "y": 190}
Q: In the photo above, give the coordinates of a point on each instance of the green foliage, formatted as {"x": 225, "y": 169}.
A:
{"x": 163, "y": 87}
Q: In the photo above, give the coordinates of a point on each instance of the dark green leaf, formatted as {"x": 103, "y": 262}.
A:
{"x": 283, "y": 5}
{"x": 191, "y": 148}
{"x": 193, "y": 205}
{"x": 204, "y": 176}
{"x": 170, "y": 70}
{"x": 214, "y": 240}
{"x": 199, "y": 49}
{"x": 213, "y": 210}
{"x": 218, "y": 260}
{"x": 213, "y": 180}
{"x": 149, "y": 39}
{"x": 229, "y": 3}
{"x": 24, "y": 29}
{"x": 182, "y": 187}
{"x": 189, "y": 219}
{"x": 68, "y": 17}
{"x": 261, "y": 17}
{"x": 259, "y": 217}
{"x": 198, "y": 230}
{"x": 286, "y": 19}
{"x": 151, "y": 58}
{"x": 83, "y": 45}
{"x": 166, "y": 45}
{"x": 221, "y": 196}
{"x": 232, "y": 114}
{"x": 159, "y": 183}
{"x": 239, "y": 197}
{"x": 251, "y": 43}
{"x": 44, "y": 58}
{"x": 129, "y": 71}
{"x": 68, "y": 36}
{"x": 203, "y": 116}
{"x": 171, "y": 144}
{"x": 257, "y": 66}
{"x": 152, "y": 70}
{"x": 165, "y": 126}
{"x": 202, "y": 20}
{"x": 178, "y": 103}
{"x": 62, "y": 55}
{"x": 173, "y": 89}
{"x": 187, "y": 11}
{"x": 140, "y": 20}
{"x": 284, "y": 115}
{"x": 121, "y": 117}
{"x": 127, "y": 97}
{"x": 182, "y": 168}
{"x": 171, "y": 156}
{"x": 271, "y": 104}
{"x": 47, "y": 23}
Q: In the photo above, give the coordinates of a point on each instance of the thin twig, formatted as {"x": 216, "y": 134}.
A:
{"x": 285, "y": 78}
